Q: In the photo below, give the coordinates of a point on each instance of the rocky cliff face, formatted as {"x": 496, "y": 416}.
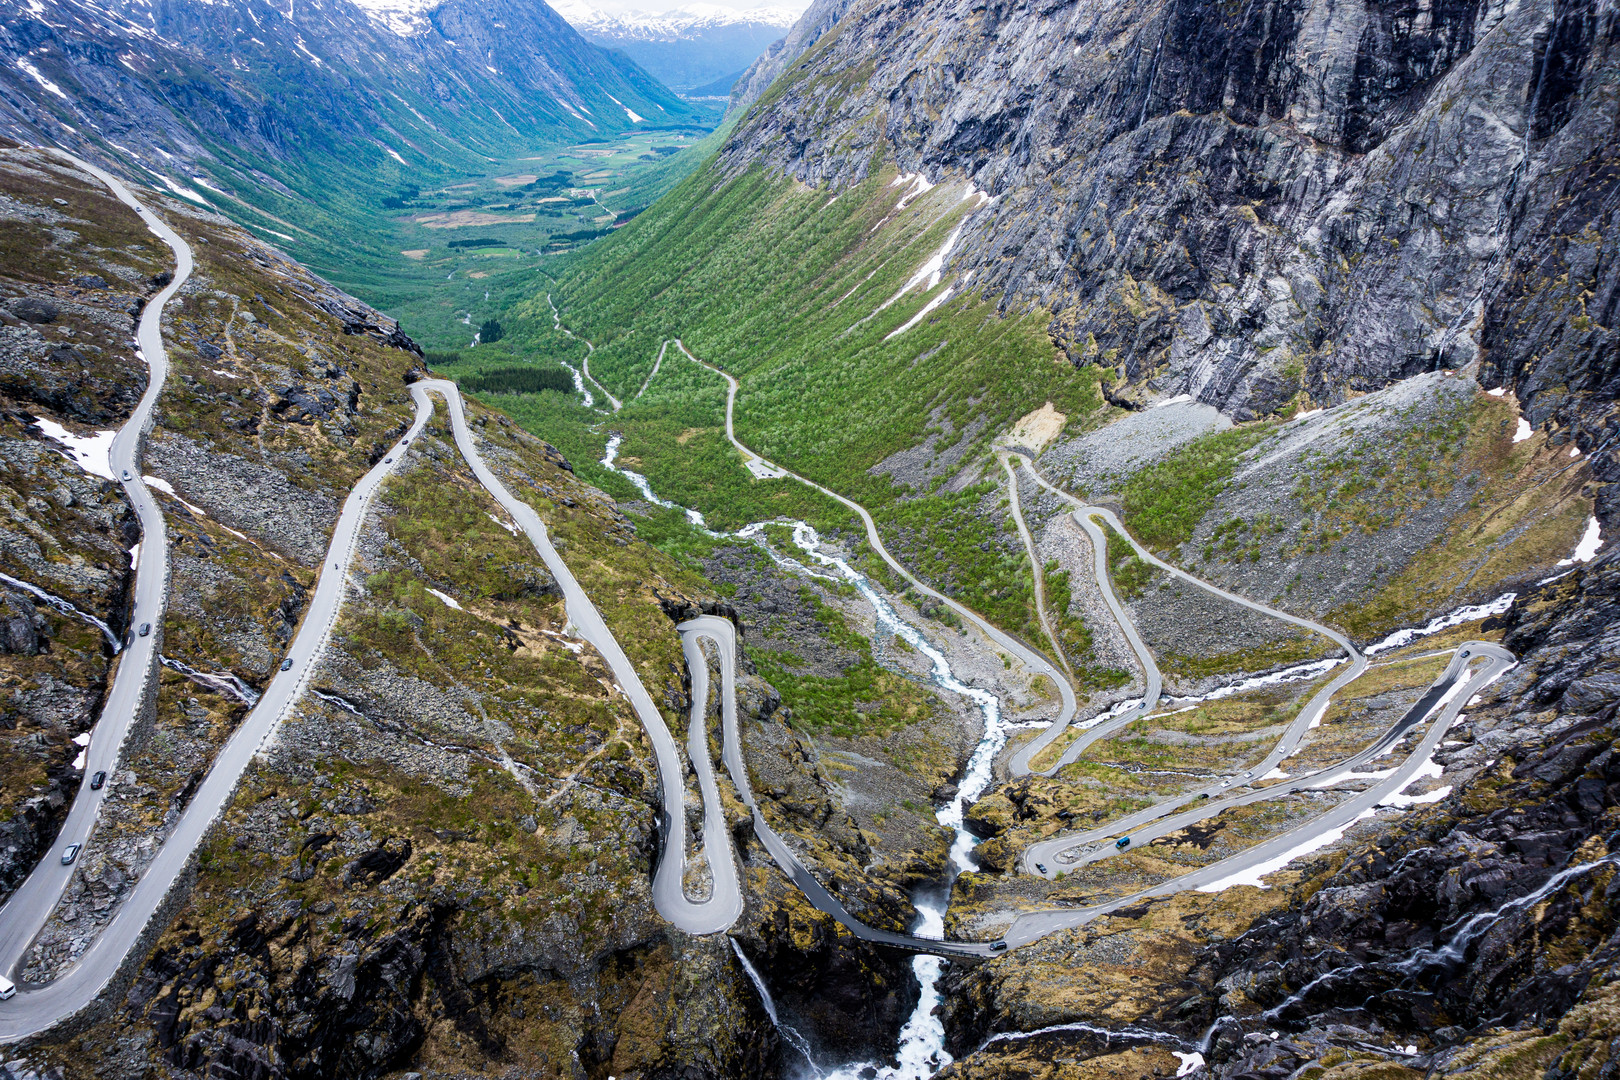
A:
{"x": 779, "y": 55}
{"x": 1244, "y": 203}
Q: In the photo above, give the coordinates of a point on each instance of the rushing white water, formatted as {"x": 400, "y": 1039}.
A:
{"x": 922, "y": 1041}
{"x": 1444, "y": 622}
{"x": 792, "y": 1034}
{"x": 65, "y": 608}
{"x": 225, "y": 682}
{"x": 921, "y": 1051}
{"x": 1453, "y": 950}
{"x": 610, "y": 459}
{"x": 579, "y": 386}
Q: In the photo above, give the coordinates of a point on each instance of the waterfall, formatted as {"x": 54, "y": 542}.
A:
{"x": 794, "y": 1037}
{"x": 921, "y": 1052}
{"x": 66, "y": 609}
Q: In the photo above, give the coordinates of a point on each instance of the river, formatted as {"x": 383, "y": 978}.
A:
{"x": 921, "y": 1050}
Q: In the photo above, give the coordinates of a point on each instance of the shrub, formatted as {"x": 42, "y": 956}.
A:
{"x": 518, "y": 380}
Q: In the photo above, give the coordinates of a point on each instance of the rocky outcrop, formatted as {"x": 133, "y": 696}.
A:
{"x": 818, "y": 18}
{"x": 1496, "y": 913}
{"x": 1245, "y": 202}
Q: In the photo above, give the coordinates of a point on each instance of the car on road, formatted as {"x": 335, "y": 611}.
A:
{"x": 1040, "y": 868}
{"x": 70, "y": 853}
{"x": 7, "y": 988}
{"x": 286, "y": 665}
{"x": 127, "y": 477}
{"x": 98, "y": 780}
{"x": 388, "y": 461}
{"x": 146, "y": 629}
{"x": 998, "y": 946}
{"x": 1122, "y": 843}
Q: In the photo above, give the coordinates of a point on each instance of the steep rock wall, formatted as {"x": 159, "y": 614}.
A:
{"x": 1243, "y": 202}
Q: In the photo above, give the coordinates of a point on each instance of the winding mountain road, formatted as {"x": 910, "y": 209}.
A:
{"x": 723, "y": 635}
{"x": 29, "y": 907}
{"x": 1456, "y": 686}
{"x": 37, "y": 1008}
{"x": 725, "y": 903}
{"x": 1037, "y": 573}
{"x": 1031, "y": 658}
{"x": 1160, "y": 819}
{"x": 1045, "y": 852}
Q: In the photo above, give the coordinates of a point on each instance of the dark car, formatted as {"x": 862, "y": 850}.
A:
{"x": 146, "y": 629}
{"x": 1122, "y": 843}
{"x": 388, "y": 461}
{"x": 286, "y": 665}
{"x": 97, "y": 780}
{"x": 1040, "y": 868}
{"x": 70, "y": 853}
{"x": 998, "y": 946}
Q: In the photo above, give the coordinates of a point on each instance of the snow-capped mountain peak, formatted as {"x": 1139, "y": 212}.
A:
{"x": 668, "y": 25}
{"x": 403, "y": 17}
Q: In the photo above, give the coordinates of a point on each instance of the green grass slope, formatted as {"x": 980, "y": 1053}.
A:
{"x": 798, "y": 295}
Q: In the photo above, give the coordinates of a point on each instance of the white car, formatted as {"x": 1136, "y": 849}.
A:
{"x": 7, "y": 988}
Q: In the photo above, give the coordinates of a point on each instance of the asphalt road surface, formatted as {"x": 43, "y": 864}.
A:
{"x": 35, "y": 1009}
{"x": 723, "y": 635}
{"x": 30, "y": 906}
{"x": 725, "y": 902}
{"x": 1031, "y": 658}
{"x": 1457, "y": 688}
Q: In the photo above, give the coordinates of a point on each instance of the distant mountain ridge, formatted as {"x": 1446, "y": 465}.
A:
{"x": 305, "y": 114}
{"x": 688, "y": 47}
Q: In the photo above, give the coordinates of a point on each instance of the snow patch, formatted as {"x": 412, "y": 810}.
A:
{"x": 917, "y": 318}
{"x": 89, "y": 452}
{"x": 1587, "y": 549}
{"x": 449, "y": 601}
{"x": 917, "y": 184}
{"x": 929, "y": 271}
{"x": 1498, "y": 392}
{"x": 41, "y": 79}
{"x": 634, "y": 119}
{"x": 1254, "y": 874}
{"x": 1524, "y": 431}
{"x": 183, "y": 192}
{"x": 1194, "y": 1061}
{"x": 168, "y": 489}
